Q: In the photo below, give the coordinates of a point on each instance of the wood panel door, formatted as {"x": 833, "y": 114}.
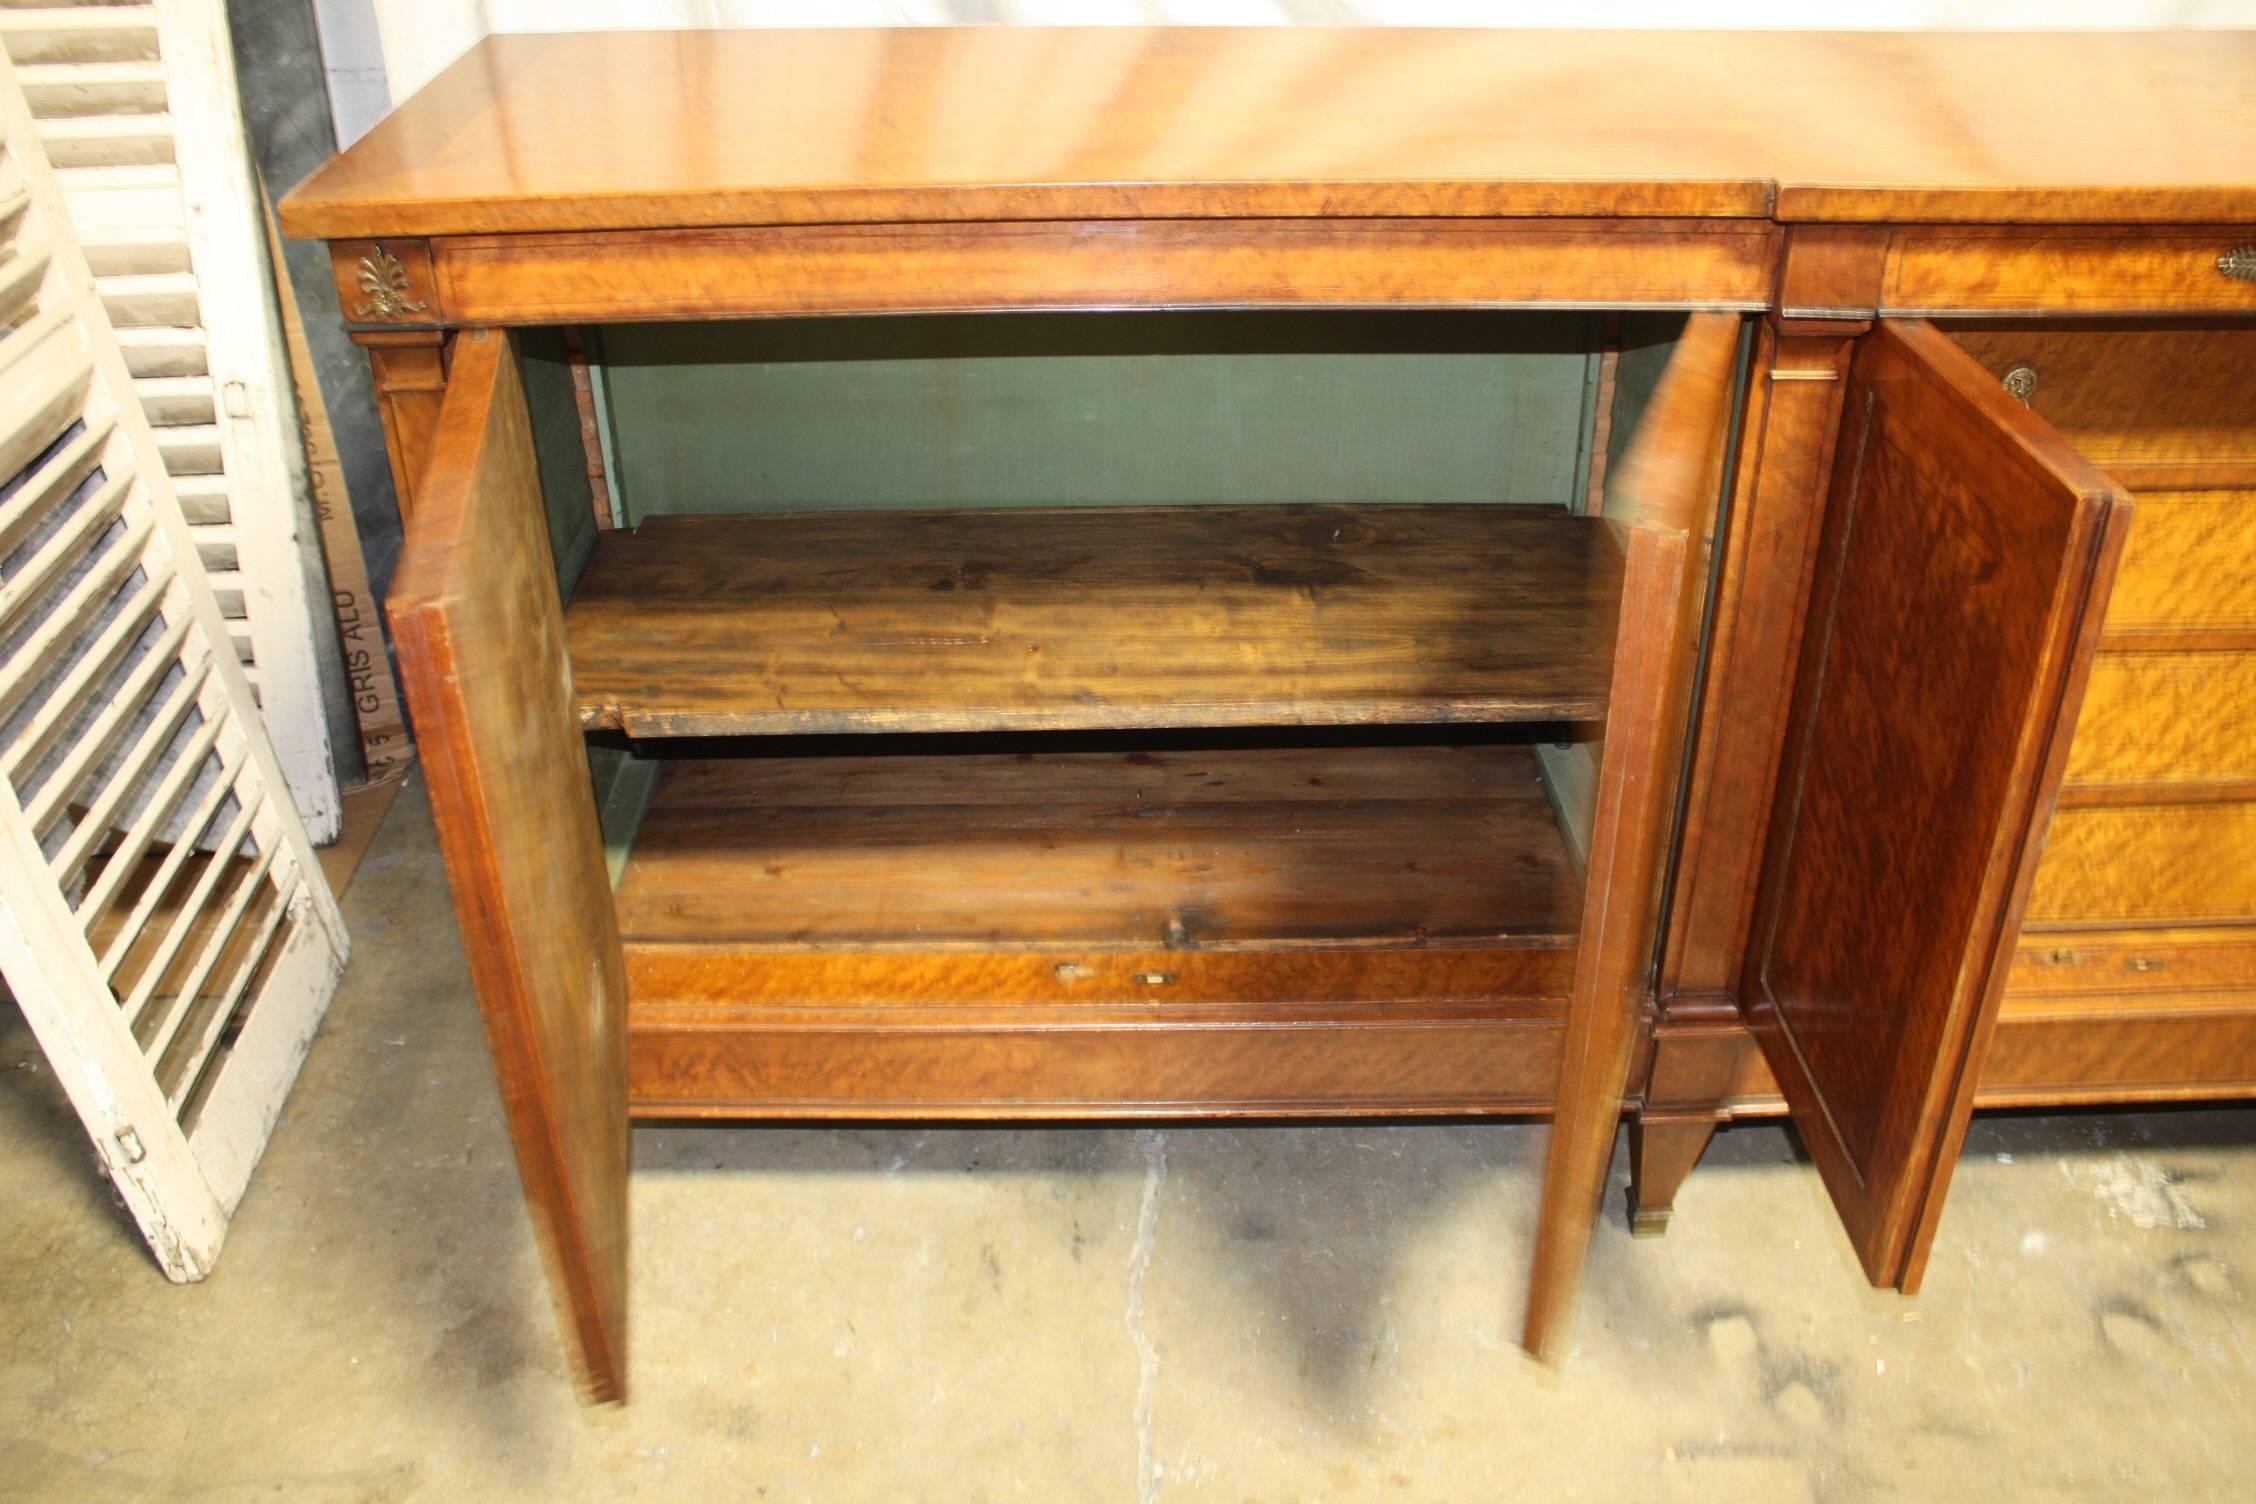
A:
{"x": 1662, "y": 499}
{"x": 1961, "y": 573}
{"x": 480, "y": 632}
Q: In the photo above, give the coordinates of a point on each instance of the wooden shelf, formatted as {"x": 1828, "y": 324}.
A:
{"x": 1095, "y": 618}
{"x": 1264, "y": 848}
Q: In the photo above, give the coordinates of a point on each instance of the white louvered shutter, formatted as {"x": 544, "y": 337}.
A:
{"x": 137, "y": 109}
{"x": 164, "y": 925}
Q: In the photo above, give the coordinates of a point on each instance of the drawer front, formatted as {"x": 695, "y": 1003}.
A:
{"x": 2164, "y": 864}
{"x": 941, "y": 268}
{"x": 1412, "y": 1066}
{"x": 2156, "y": 404}
{"x": 716, "y": 1031}
{"x": 2147, "y": 1052}
{"x": 1939, "y": 270}
{"x": 894, "y": 988}
{"x": 2164, "y": 720}
{"x": 2191, "y": 564}
{"x": 2122, "y": 963}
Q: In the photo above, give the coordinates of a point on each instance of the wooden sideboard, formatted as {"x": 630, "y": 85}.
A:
{"x": 1718, "y": 784}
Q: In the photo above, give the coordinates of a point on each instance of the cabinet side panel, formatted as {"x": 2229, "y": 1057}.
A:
{"x": 1786, "y": 454}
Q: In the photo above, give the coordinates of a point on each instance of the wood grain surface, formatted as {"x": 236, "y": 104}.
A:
{"x": 2148, "y": 864}
{"x": 1106, "y": 264}
{"x": 1238, "y": 848}
{"x": 1662, "y": 495}
{"x": 2112, "y": 1055}
{"x": 2057, "y": 270}
{"x": 2166, "y": 725}
{"x": 1095, "y": 617}
{"x": 1785, "y": 457}
{"x": 638, "y": 130}
{"x": 481, "y": 650}
{"x": 2191, "y": 565}
{"x": 2156, "y": 404}
{"x": 2055, "y": 1051}
{"x": 1070, "y": 934}
{"x": 1964, "y": 561}
{"x": 409, "y": 371}
{"x": 2198, "y": 958}
{"x": 1498, "y": 1054}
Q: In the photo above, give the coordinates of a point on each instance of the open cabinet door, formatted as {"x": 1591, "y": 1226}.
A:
{"x": 1962, "y": 570}
{"x": 1661, "y": 502}
{"x": 480, "y": 633}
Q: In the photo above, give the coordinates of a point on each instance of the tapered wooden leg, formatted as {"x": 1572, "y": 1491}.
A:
{"x": 1662, "y": 1151}
{"x": 1574, "y": 1175}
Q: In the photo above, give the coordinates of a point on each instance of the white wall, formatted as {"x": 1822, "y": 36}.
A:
{"x": 417, "y": 38}
{"x": 352, "y": 52}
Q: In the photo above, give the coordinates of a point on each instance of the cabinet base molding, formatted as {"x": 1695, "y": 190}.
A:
{"x": 2080, "y": 1050}
{"x": 1496, "y": 1060}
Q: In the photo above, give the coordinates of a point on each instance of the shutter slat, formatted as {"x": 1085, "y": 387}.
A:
{"x": 92, "y": 743}
{"x": 80, "y": 34}
{"x": 60, "y": 90}
{"x": 136, "y": 250}
{"x": 166, "y": 298}
{"x": 184, "y": 1067}
{"x": 144, "y": 758}
{"x": 69, "y": 545}
{"x": 107, "y": 140}
{"x": 60, "y": 475}
{"x": 246, "y": 886}
{"x": 203, "y": 499}
{"x": 155, "y": 816}
{"x": 23, "y": 670}
{"x": 164, "y": 351}
{"x": 171, "y": 401}
{"x": 190, "y": 450}
{"x": 191, "y": 911}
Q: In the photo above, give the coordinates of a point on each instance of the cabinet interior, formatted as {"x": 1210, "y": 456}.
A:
{"x": 1099, "y": 641}
{"x": 1111, "y": 842}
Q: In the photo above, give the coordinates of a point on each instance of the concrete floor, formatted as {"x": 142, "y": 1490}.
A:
{"x": 1240, "y": 1314}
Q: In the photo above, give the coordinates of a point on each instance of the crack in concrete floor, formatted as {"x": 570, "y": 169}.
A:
{"x": 1153, "y": 1145}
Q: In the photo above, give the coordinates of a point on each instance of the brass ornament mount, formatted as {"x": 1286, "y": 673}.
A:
{"x": 2021, "y": 383}
{"x": 2239, "y": 263}
{"x": 386, "y": 283}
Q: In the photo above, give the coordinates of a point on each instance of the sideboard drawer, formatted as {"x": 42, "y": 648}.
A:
{"x": 2119, "y": 962}
{"x": 756, "y": 271}
{"x": 2191, "y": 565}
{"x": 1940, "y": 269}
{"x": 2159, "y": 724}
{"x": 2147, "y": 864}
{"x": 2160, "y": 404}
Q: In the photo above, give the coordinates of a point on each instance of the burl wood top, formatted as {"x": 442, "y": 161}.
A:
{"x": 647, "y": 129}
